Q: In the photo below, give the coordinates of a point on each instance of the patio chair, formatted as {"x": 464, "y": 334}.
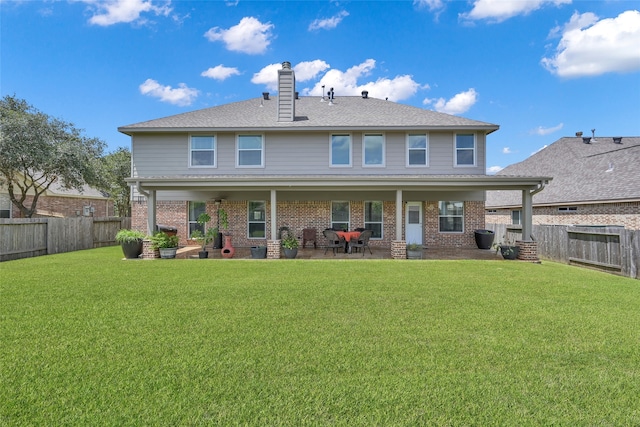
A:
{"x": 362, "y": 241}
{"x": 333, "y": 241}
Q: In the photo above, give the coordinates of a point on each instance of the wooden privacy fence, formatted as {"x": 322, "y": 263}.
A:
{"x": 612, "y": 249}
{"x": 24, "y": 238}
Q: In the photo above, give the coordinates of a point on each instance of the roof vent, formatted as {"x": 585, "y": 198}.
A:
{"x": 265, "y": 96}
{"x": 586, "y": 139}
{"x": 593, "y": 134}
{"x": 286, "y": 65}
{"x": 297, "y": 95}
{"x": 617, "y": 140}
{"x": 578, "y": 134}
{"x": 365, "y": 94}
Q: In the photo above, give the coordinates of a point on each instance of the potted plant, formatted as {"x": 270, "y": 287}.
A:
{"x": 206, "y": 237}
{"x": 258, "y": 252}
{"x": 414, "y": 251}
{"x": 290, "y": 245}
{"x": 507, "y": 249}
{"x": 167, "y": 245}
{"x": 484, "y": 238}
{"x": 131, "y": 242}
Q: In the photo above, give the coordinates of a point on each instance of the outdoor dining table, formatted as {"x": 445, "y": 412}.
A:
{"x": 348, "y": 235}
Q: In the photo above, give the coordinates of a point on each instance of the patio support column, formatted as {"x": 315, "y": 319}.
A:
{"x": 151, "y": 212}
{"x": 527, "y": 215}
{"x": 273, "y": 244}
{"x": 398, "y": 245}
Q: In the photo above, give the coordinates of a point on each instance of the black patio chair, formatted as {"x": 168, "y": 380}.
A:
{"x": 362, "y": 241}
{"x": 333, "y": 241}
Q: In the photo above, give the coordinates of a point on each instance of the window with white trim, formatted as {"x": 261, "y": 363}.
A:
{"x": 451, "y": 217}
{"x": 516, "y": 217}
{"x": 195, "y": 209}
{"x": 340, "y": 215}
{"x": 250, "y": 149}
{"x": 465, "y": 154}
{"x": 373, "y": 218}
{"x": 257, "y": 221}
{"x": 373, "y": 149}
{"x": 417, "y": 150}
{"x": 340, "y": 150}
{"x": 202, "y": 151}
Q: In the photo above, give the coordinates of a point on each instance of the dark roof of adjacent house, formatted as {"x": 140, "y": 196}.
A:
{"x": 595, "y": 172}
{"x": 343, "y": 113}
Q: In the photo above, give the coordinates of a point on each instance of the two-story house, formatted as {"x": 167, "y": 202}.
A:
{"x": 408, "y": 174}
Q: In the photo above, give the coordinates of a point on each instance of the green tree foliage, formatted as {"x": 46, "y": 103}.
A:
{"x": 37, "y": 150}
{"x": 116, "y": 167}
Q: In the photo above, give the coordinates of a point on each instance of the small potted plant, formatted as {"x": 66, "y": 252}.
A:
{"x": 414, "y": 251}
{"x": 204, "y": 238}
{"x": 290, "y": 245}
{"x": 167, "y": 245}
{"x": 507, "y": 249}
{"x": 131, "y": 242}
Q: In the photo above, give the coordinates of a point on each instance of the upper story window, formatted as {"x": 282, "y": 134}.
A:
{"x": 340, "y": 150}
{"x": 202, "y": 151}
{"x": 417, "y": 150}
{"x": 250, "y": 151}
{"x": 373, "y": 150}
{"x": 465, "y": 149}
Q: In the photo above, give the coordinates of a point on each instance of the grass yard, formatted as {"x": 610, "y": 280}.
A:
{"x": 88, "y": 339}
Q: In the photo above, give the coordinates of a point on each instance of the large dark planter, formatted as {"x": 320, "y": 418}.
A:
{"x": 203, "y": 254}
{"x": 132, "y": 250}
{"x": 509, "y": 252}
{"x": 290, "y": 253}
{"x": 484, "y": 238}
{"x": 258, "y": 252}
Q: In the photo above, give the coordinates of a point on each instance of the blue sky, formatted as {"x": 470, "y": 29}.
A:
{"x": 541, "y": 69}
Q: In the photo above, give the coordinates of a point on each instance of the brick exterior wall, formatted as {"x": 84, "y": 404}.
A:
{"x": 297, "y": 215}
{"x": 624, "y": 214}
{"x": 66, "y": 207}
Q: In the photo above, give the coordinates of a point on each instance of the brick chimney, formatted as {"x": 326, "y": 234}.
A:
{"x": 286, "y": 93}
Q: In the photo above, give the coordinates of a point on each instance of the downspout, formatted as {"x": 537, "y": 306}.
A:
{"x": 151, "y": 207}
{"x": 527, "y": 211}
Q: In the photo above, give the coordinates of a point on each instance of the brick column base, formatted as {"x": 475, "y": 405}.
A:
{"x": 399, "y": 249}
{"x": 273, "y": 249}
{"x": 528, "y": 251}
{"x": 147, "y": 250}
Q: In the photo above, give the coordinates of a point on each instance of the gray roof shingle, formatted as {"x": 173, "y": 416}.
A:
{"x": 601, "y": 171}
{"x": 348, "y": 112}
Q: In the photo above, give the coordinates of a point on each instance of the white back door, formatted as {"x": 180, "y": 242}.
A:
{"x": 413, "y": 222}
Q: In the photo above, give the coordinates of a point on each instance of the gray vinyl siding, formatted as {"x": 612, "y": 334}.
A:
{"x": 303, "y": 153}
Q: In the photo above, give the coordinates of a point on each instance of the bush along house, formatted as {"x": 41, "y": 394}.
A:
{"x": 410, "y": 175}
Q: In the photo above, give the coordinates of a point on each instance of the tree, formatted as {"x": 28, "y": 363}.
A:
{"x": 37, "y": 150}
{"x": 116, "y": 167}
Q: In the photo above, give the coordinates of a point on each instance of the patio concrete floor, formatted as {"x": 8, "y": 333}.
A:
{"x": 377, "y": 253}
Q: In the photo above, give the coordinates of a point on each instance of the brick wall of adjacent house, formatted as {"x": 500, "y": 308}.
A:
{"x": 66, "y": 207}
{"x": 623, "y": 214}
{"x": 297, "y": 215}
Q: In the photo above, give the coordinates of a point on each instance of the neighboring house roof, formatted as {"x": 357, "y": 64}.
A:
{"x": 598, "y": 172}
{"x": 343, "y": 113}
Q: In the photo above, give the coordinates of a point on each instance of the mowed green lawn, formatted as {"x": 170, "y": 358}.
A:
{"x": 88, "y": 339}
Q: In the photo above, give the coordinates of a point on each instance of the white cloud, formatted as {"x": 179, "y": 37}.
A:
{"x": 329, "y": 23}
{"x": 248, "y": 36}
{"x": 501, "y": 10}
{"x": 304, "y": 71}
{"x": 589, "y": 47}
{"x": 182, "y": 95}
{"x": 347, "y": 83}
{"x": 459, "y": 104}
{"x": 344, "y": 83}
{"x": 546, "y": 131}
{"x": 430, "y": 4}
{"x": 110, "y": 12}
{"x": 494, "y": 170}
{"x": 220, "y": 72}
{"x": 506, "y": 150}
